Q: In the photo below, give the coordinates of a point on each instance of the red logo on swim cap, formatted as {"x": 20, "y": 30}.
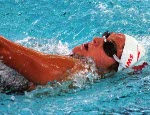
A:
{"x": 128, "y": 63}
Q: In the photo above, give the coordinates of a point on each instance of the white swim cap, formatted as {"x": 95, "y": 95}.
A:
{"x": 132, "y": 53}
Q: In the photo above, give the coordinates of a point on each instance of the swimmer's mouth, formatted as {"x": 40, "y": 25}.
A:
{"x": 86, "y": 46}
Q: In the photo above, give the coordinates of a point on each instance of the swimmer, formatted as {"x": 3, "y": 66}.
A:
{"x": 111, "y": 52}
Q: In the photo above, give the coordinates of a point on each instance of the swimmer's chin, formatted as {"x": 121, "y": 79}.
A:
{"x": 75, "y": 50}
{"x": 78, "y": 49}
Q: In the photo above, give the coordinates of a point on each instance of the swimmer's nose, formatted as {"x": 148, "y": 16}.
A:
{"x": 97, "y": 41}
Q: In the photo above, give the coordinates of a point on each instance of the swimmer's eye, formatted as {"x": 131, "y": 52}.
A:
{"x": 110, "y": 48}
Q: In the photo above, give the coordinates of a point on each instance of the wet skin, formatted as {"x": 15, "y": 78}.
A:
{"x": 41, "y": 68}
{"x": 94, "y": 49}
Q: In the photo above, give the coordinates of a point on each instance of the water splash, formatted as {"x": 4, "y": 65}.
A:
{"x": 80, "y": 80}
{"x": 50, "y": 46}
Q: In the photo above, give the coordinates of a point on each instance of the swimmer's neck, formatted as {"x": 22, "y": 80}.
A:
{"x": 83, "y": 59}
{"x": 90, "y": 62}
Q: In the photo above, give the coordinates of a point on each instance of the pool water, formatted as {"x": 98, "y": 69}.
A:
{"x": 56, "y": 27}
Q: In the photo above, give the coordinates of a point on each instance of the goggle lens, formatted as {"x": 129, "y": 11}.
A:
{"x": 109, "y": 46}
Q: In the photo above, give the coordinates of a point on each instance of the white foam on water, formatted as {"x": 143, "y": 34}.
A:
{"x": 50, "y": 46}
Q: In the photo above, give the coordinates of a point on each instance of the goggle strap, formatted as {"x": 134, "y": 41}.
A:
{"x": 119, "y": 61}
{"x": 116, "y": 58}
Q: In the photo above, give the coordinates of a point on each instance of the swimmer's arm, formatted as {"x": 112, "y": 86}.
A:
{"x": 37, "y": 67}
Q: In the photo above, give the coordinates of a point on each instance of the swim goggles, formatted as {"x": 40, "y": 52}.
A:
{"x": 133, "y": 51}
{"x": 110, "y": 47}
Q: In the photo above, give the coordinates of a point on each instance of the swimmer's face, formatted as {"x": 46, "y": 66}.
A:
{"x": 94, "y": 49}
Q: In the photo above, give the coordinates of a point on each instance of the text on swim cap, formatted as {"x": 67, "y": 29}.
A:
{"x": 128, "y": 63}
{"x": 138, "y": 55}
